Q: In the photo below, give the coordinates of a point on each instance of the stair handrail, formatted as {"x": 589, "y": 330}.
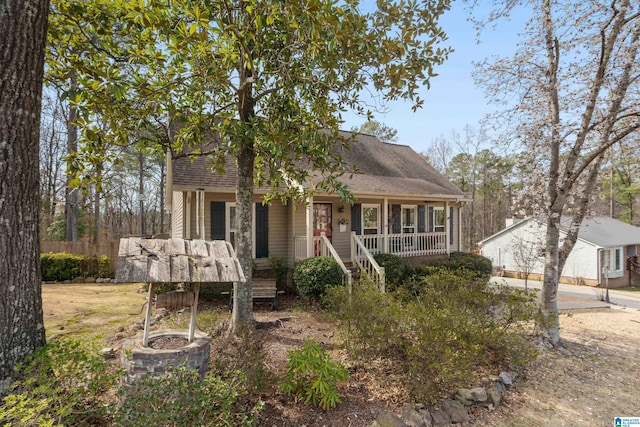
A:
{"x": 334, "y": 254}
{"x": 366, "y": 262}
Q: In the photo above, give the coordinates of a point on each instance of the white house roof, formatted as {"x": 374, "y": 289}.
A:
{"x": 600, "y": 231}
{"x": 606, "y": 232}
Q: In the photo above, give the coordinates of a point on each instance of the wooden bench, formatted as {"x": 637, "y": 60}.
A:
{"x": 264, "y": 290}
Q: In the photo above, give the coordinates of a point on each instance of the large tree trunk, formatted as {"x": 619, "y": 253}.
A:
{"x": 23, "y": 26}
{"x": 242, "y": 294}
{"x": 71, "y": 199}
{"x": 549, "y": 320}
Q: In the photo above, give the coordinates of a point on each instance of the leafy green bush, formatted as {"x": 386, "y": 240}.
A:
{"x": 393, "y": 269}
{"x": 64, "y": 383}
{"x": 180, "y": 398}
{"x": 313, "y": 276}
{"x": 64, "y": 266}
{"x": 477, "y": 264}
{"x": 456, "y": 326}
{"x": 313, "y": 377}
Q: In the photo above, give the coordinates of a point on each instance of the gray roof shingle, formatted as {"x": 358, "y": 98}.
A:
{"x": 384, "y": 168}
{"x": 606, "y": 232}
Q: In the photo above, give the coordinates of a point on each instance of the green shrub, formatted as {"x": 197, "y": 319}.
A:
{"x": 313, "y": 377}
{"x": 313, "y": 275}
{"x": 478, "y": 265}
{"x": 64, "y": 383}
{"x": 456, "y": 326}
{"x": 393, "y": 269}
{"x": 280, "y": 266}
{"x": 181, "y": 398}
{"x": 64, "y": 266}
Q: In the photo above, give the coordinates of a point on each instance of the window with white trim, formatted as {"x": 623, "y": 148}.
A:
{"x": 370, "y": 219}
{"x": 612, "y": 262}
{"x": 439, "y": 219}
{"x": 231, "y": 224}
{"x": 408, "y": 219}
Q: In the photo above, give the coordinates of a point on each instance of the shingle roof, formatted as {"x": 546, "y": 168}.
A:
{"x": 384, "y": 168}
{"x": 600, "y": 231}
{"x": 606, "y": 232}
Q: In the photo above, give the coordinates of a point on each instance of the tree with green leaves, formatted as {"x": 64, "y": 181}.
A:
{"x": 23, "y": 27}
{"x": 268, "y": 80}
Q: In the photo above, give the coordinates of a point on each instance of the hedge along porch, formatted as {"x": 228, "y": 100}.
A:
{"x": 402, "y": 205}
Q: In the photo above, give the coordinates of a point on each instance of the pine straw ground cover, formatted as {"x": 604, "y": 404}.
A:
{"x": 597, "y": 379}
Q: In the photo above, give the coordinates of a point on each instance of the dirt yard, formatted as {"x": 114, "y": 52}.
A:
{"x": 595, "y": 380}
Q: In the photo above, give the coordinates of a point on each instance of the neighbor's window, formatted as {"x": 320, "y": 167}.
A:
{"x": 613, "y": 260}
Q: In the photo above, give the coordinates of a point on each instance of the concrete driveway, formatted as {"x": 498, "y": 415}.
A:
{"x": 573, "y": 297}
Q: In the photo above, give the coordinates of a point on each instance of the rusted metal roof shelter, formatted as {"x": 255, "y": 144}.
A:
{"x": 176, "y": 261}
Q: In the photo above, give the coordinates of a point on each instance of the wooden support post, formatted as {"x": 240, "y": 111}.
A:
{"x": 194, "y": 309}
{"x": 147, "y": 317}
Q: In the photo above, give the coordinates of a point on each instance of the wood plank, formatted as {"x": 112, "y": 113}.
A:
{"x": 238, "y": 267}
{"x": 159, "y": 268}
{"x": 133, "y": 269}
{"x": 176, "y": 247}
{"x": 226, "y": 270}
{"x": 208, "y": 272}
{"x": 218, "y": 249}
{"x": 175, "y": 300}
{"x": 199, "y": 249}
{"x": 180, "y": 269}
{"x": 123, "y": 249}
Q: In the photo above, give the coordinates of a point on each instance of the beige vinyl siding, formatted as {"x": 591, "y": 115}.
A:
{"x": 278, "y": 228}
{"x": 177, "y": 215}
{"x": 279, "y": 219}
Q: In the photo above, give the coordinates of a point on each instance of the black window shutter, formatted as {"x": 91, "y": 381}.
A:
{"x": 451, "y": 226}
{"x": 421, "y": 218}
{"x": 356, "y": 218}
{"x": 218, "y": 225}
{"x": 430, "y": 219}
{"x": 262, "y": 230}
{"x": 396, "y": 213}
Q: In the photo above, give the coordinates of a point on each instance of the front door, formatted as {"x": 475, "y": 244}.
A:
{"x": 321, "y": 224}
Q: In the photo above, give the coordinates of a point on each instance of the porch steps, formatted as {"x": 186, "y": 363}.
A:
{"x": 355, "y": 271}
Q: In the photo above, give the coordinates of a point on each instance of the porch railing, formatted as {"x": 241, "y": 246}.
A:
{"x": 300, "y": 248}
{"x": 362, "y": 258}
{"x": 414, "y": 244}
{"x": 327, "y": 249}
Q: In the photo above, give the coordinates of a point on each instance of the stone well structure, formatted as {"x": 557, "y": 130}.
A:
{"x": 172, "y": 261}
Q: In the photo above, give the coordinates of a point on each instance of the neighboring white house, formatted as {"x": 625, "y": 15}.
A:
{"x": 603, "y": 248}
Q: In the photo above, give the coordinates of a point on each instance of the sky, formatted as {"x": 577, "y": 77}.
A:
{"x": 453, "y": 101}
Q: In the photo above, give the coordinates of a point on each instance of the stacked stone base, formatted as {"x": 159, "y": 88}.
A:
{"x": 451, "y": 411}
{"x": 140, "y": 361}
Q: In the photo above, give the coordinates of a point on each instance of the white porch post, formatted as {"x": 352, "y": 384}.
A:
{"x": 447, "y": 225}
{"x": 460, "y": 226}
{"x": 293, "y": 232}
{"x": 309, "y": 227}
{"x": 385, "y": 225}
{"x": 200, "y": 214}
{"x": 187, "y": 222}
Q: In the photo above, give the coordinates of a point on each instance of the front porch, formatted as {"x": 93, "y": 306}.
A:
{"x": 404, "y": 245}
{"x": 363, "y": 247}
